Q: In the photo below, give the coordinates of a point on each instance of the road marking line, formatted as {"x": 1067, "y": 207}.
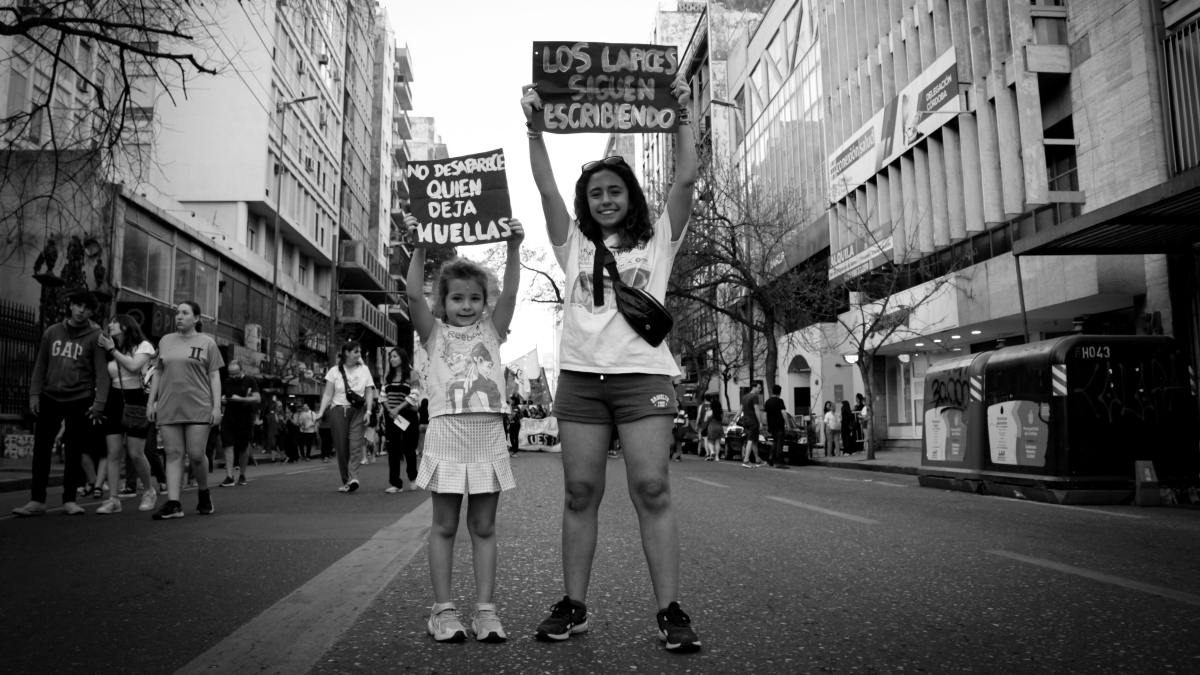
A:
{"x": 818, "y": 509}
{"x": 319, "y": 468}
{"x": 880, "y": 482}
{"x": 291, "y": 635}
{"x": 853, "y": 480}
{"x": 707, "y": 482}
{"x": 1106, "y": 578}
{"x": 1073, "y": 508}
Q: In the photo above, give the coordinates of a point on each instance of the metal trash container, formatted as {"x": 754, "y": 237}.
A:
{"x": 954, "y": 439}
{"x": 1067, "y": 418}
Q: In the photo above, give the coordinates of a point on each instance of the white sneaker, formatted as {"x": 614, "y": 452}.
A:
{"x": 344, "y": 488}
{"x": 31, "y": 509}
{"x": 393, "y": 490}
{"x": 113, "y": 505}
{"x": 486, "y": 625}
{"x": 73, "y": 509}
{"x": 149, "y": 499}
{"x": 444, "y": 625}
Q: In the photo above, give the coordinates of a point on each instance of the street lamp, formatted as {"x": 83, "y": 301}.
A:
{"x": 281, "y": 108}
{"x": 850, "y": 358}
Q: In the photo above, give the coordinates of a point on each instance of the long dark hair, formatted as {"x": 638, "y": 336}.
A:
{"x": 847, "y": 414}
{"x": 196, "y": 312}
{"x": 348, "y": 347}
{"x": 716, "y": 408}
{"x": 404, "y": 370}
{"x": 638, "y": 226}
{"x": 131, "y": 333}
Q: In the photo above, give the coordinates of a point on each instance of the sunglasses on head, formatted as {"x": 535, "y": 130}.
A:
{"x": 607, "y": 161}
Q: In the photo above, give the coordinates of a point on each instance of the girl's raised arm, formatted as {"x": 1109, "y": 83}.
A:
{"x": 558, "y": 221}
{"x": 679, "y": 200}
{"x": 418, "y": 309}
{"x": 506, "y": 304}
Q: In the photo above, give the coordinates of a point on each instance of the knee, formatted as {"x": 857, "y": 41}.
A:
{"x": 481, "y": 528}
{"x": 445, "y": 527}
{"x": 653, "y": 495}
{"x": 581, "y": 495}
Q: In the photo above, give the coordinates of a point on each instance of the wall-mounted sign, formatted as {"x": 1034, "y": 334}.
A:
{"x": 858, "y": 258}
{"x": 599, "y": 87}
{"x": 910, "y": 116}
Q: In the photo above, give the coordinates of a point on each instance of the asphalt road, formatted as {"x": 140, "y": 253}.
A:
{"x": 808, "y": 570}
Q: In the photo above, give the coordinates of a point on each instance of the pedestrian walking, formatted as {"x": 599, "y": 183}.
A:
{"x": 714, "y": 430}
{"x": 403, "y": 423}
{"x": 833, "y": 431}
{"x": 242, "y": 397}
{"x": 125, "y": 423}
{"x": 69, "y": 388}
{"x": 860, "y": 422}
{"x": 514, "y": 425}
{"x": 849, "y": 424}
{"x": 349, "y": 393}
{"x": 610, "y": 374}
{"x": 751, "y": 426}
{"x": 185, "y": 403}
{"x": 776, "y": 426}
{"x": 271, "y": 422}
{"x": 678, "y": 434}
{"x": 307, "y": 427}
{"x": 466, "y": 450}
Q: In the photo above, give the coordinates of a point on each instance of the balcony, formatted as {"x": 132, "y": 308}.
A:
{"x": 362, "y": 272}
{"x": 399, "y": 189}
{"x": 401, "y": 126}
{"x": 398, "y": 312}
{"x": 403, "y": 93}
{"x": 355, "y": 309}
{"x": 400, "y": 151}
{"x": 398, "y": 260}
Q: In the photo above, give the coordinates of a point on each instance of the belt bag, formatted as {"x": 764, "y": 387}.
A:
{"x": 355, "y": 399}
{"x": 644, "y": 313}
{"x": 132, "y": 416}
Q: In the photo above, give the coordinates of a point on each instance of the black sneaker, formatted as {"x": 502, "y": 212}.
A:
{"x": 567, "y": 617}
{"x": 675, "y": 629}
{"x": 205, "y": 506}
{"x": 228, "y": 482}
{"x": 127, "y": 491}
{"x": 352, "y": 486}
{"x": 241, "y": 479}
{"x": 172, "y": 509}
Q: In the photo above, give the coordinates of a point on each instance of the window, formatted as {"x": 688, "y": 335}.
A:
{"x": 195, "y": 281}
{"x": 146, "y": 266}
{"x": 303, "y": 279}
{"x": 252, "y": 237}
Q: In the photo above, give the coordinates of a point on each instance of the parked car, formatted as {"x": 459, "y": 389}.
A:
{"x": 691, "y": 439}
{"x": 795, "y": 440}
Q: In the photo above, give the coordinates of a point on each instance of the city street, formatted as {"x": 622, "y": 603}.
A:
{"x": 809, "y": 570}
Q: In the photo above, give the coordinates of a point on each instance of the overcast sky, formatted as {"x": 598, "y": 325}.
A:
{"x": 470, "y": 58}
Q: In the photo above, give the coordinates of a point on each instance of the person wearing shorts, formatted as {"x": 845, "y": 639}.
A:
{"x": 241, "y": 400}
{"x": 609, "y": 373}
{"x": 129, "y": 355}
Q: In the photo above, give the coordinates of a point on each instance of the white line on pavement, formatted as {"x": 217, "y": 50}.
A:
{"x": 707, "y": 482}
{"x": 883, "y": 482}
{"x": 818, "y": 509}
{"x": 293, "y": 633}
{"x": 1105, "y": 578}
{"x": 319, "y": 468}
{"x": 853, "y": 480}
{"x": 1072, "y": 508}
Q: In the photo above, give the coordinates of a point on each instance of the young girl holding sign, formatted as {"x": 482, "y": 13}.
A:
{"x": 466, "y": 448}
{"x": 609, "y": 373}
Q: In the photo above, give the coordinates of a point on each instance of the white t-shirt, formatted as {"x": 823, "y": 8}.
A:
{"x": 599, "y": 339}
{"x": 463, "y": 373}
{"x": 360, "y": 380}
{"x": 122, "y": 377}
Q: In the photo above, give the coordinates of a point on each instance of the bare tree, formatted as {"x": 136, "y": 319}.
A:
{"x": 546, "y": 285}
{"x": 879, "y": 306}
{"x": 736, "y": 242}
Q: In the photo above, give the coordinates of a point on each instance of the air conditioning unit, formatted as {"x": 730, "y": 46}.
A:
{"x": 300, "y": 68}
{"x": 309, "y": 164}
{"x": 324, "y": 119}
{"x": 337, "y": 76}
{"x": 323, "y": 59}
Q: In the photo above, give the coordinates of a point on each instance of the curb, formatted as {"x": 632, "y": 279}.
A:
{"x": 21, "y": 484}
{"x": 880, "y": 468}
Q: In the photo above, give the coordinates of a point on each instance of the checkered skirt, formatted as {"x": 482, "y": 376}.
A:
{"x": 466, "y": 454}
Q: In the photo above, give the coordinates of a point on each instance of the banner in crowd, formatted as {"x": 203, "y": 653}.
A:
{"x": 539, "y": 434}
{"x": 539, "y": 389}
{"x": 910, "y": 116}
{"x": 598, "y": 87}
{"x": 460, "y": 201}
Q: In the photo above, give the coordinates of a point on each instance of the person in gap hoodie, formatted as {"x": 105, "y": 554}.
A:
{"x": 70, "y": 383}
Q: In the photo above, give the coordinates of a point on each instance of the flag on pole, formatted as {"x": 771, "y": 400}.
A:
{"x": 523, "y": 369}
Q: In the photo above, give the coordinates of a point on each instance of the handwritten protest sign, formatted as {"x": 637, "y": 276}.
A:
{"x": 460, "y": 201}
{"x": 598, "y": 87}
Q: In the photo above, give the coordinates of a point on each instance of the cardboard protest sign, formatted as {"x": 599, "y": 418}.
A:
{"x": 460, "y": 201}
{"x": 598, "y": 87}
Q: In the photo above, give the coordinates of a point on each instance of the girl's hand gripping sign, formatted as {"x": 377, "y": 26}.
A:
{"x": 461, "y": 201}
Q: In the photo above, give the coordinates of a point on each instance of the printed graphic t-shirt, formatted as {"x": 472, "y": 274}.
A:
{"x": 360, "y": 380}
{"x": 184, "y": 391}
{"x": 463, "y": 373}
{"x": 599, "y": 339}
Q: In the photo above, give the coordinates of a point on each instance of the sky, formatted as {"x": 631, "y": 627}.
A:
{"x": 470, "y": 59}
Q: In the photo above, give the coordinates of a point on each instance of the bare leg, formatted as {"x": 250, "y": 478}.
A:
{"x": 229, "y": 461}
{"x": 446, "y": 506}
{"x": 585, "y": 460}
{"x": 481, "y": 523}
{"x": 650, "y": 490}
{"x": 172, "y": 435}
{"x": 197, "y": 441}
{"x": 116, "y": 452}
{"x": 137, "y": 452}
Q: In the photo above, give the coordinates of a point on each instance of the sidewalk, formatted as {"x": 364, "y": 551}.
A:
{"x": 887, "y": 461}
{"x": 17, "y": 474}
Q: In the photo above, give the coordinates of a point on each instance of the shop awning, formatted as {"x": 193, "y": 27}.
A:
{"x": 1162, "y": 219}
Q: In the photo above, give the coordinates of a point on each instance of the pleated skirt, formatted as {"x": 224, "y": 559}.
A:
{"x": 466, "y": 454}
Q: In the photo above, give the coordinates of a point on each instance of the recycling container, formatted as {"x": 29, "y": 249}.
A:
{"x": 954, "y": 438}
{"x": 1075, "y": 413}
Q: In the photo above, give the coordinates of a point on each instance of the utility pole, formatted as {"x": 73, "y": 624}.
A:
{"x": 280, "y": 108}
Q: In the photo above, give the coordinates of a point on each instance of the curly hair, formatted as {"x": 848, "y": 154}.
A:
{"x": 638, "y": 225}
{"x": 467, "y": 270}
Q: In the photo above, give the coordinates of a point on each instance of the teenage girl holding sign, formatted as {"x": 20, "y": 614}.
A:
{"x": 609, "y": 373}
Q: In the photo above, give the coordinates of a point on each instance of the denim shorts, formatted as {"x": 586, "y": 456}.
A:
{"x": 595, "y": 398}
